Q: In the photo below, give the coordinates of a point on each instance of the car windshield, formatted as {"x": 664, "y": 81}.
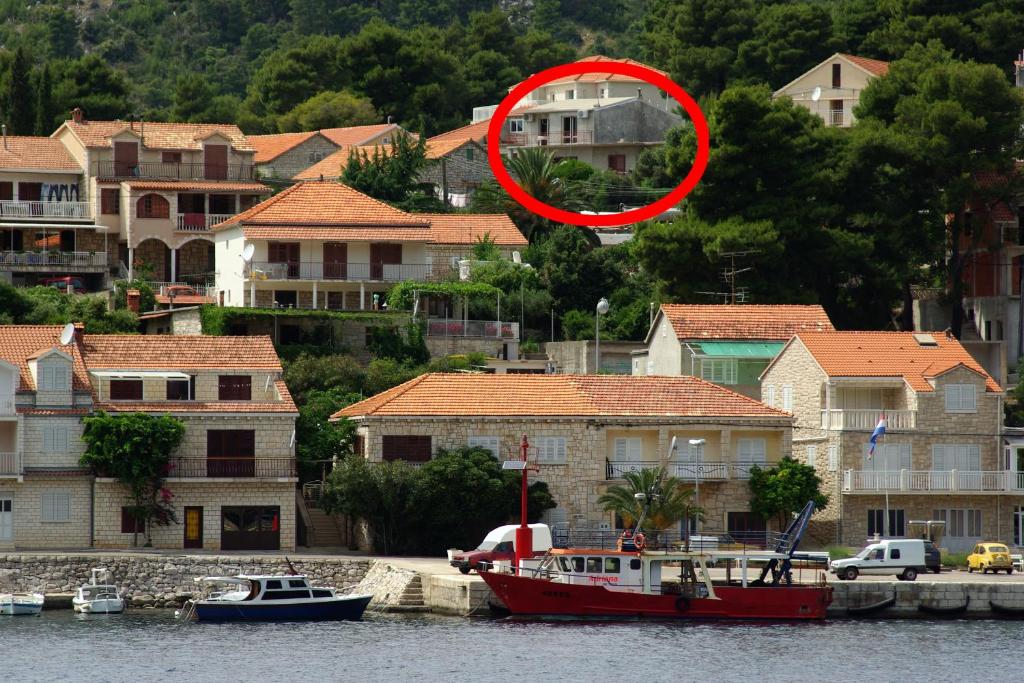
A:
{"x": 864, "y": 553}
{"x": 488, "y": 545}
{"x": 997, "y": 549}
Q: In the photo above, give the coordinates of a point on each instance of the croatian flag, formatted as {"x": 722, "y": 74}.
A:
{"x": 878, "y": 433}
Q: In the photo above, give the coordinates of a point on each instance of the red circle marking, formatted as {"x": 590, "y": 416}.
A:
{"x": 644, "y": 73}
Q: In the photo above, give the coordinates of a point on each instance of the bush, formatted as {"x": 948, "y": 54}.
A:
{"x": 840, "y": 552}
{"x": 954, "y": 560}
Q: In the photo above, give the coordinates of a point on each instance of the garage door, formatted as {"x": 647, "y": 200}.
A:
{"x": 251, "y": 527}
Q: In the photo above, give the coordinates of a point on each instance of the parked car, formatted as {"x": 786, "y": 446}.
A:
{"x": 932, "y": 557}
{"x": 499, "y": 544}
{"x": 904, "y": 558}
{"x": 179, "y": 290}
{"x": 76, "y": 283}
{"x": 990, "y": 557}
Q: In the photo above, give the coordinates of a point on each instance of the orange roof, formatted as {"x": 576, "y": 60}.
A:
{"x": 357, "y": 135}
{"x": 269, "y": 147}
{"x": 471, "y": 395}
{"x": 415, "y": 233}
{"x": 744, "y": 321}
{"x": 461, "y": 228}
{"x": 188, "y": 185}
{"x": 178, "y": 352}
{"x": 875, "y": 66}
{"x": 323, "y": 203}
{"x": 23, "y": 153}
{"x": 19, "y": 343}
{"x": 474, "y": 131}
{"x": 601, "y": 77}
{"x": 332, "y": 165}
{"x": 285, "y": 406}
{"x": 158, "y": 135}
{"x": 890, "y": 354}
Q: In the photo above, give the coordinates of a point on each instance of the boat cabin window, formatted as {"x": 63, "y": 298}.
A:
{"x": 285, "y": 595}
{"x": 634, "y": 563}
{"x": 563, "y": 562}
{"x": 594, "y": 565}
{"x": 296, "y": 583}
{"x": 577, "y": 565}
{"x": 321, "y": 593}
{"x": 611, "y": 565}
{"x": 273, "y": 585}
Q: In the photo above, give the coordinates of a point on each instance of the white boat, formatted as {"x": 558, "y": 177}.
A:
{"x": 98, "y": 598}
{"x": 21, "y": 603}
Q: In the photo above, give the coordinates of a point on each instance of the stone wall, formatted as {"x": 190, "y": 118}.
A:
{"x": 164, "y": 580}
{"x": 440, "y": 347}
{"x": 30, "y": 531}
{"x": 911, "y": 595}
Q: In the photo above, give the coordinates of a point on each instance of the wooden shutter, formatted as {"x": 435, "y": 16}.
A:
{"x": 126, "y": 389}
{"x": 408, "y": 448}
{"x": 131, "y": 525}
{"x": 110, "y": 201}
{"x": 215, "y": 158}
{"x": 234, "y": 388}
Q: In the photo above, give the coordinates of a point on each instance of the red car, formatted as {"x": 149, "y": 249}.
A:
{"x": 76, "y": 283}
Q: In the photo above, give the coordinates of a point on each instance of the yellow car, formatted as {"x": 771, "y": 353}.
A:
{"x": 990, "y": 556}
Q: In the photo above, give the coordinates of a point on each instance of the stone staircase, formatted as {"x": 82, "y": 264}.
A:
{"x": 324, "y": 529}
{"x": 412, "y": 596}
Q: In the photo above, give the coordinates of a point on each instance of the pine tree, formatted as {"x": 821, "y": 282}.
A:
{"x": 19, "y": 96}
{"x": 45, "y": 112}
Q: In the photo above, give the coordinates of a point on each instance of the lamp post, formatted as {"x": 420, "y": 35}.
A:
{"x": 696, "y": 444}
{"x": 602, "y": 308}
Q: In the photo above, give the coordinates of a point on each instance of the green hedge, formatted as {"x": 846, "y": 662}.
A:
{"x": 400, "y": 296}
{"x": 217, "y": 320}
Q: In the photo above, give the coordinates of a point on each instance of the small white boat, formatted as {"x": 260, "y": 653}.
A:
{"x": 98, "y": 598}
{"x": 270, "y": 598}
{"x": 21, "y": 603}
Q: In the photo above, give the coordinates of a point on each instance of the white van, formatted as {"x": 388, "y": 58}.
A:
{"x": 903, "y": 558}
{"x": 498, "y": 545}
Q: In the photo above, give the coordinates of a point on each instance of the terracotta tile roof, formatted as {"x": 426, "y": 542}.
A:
{"x": 469, "y": 395}
{"x": 36, "y": 154}
{"x": 744, "y": 321}
{"x": 197, "y": 407}
{"x": 191, "y": 185}
{"x": 323, "y": 203}
{"x": 269, "y": 147}
{"x": 875, "y": 66}
{"x": 353, "y": 234}
{"x": 157, "y": 135}
{"x": 19, "y": 342}
{"x": 601, "y": 77}
{"x": 357, "y": 135}
{"x": 50, "y": 412}
{"x": 474, "y": 131}
{"x": 332, "y": 165}
{"x": 178, "y": 352}
{"x": 890, "y": 354}
{"x": 461, "y": 228}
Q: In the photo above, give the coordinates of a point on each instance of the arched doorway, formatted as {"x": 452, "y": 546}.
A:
{"x": 195, "y": 261}
{"x": 152, "y": 259}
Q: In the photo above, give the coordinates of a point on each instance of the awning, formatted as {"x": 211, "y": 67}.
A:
{"x": 142, "y": 374}
{"x": 742, "y": 349}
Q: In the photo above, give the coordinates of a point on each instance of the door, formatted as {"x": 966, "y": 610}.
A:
{"x": 215, "y": 159}
{"x": 193, "y": 527}
{"x": 287, "y": 253}
{"x": 335, "y": 260}
{"x": 382, "y": 255}
{"x": 251, "y": 527}
{"x": 1018, "y": 470}
{"x": 543, "y": 137}
{"x": 875, "y": 563}
{"x": 747, "y": 528}
{"x": 126, "y": 159}
{"x": 6, "y": 520}
{"x": 569, "y": 130}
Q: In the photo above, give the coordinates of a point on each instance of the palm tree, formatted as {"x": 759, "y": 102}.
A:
{"x": 670, "y": 500}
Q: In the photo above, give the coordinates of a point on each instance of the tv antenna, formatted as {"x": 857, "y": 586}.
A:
{"x": 729, "y": 274}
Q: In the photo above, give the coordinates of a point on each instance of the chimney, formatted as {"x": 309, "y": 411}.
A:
{"x": 79, "y": 333}
{"x": 134, "y": 298}
{"x": 4, "y": 129}
{"x": 77, "y": 115}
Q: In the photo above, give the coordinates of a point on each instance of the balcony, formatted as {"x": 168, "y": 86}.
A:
{"x": 342, "y": 272}
{"x": 866, "y": 420}
{"x": 702, "y": 471}
{"x": 474, "y": 329}
{"x": 10, "y": 464}
{"x": 199, "y": 222}
{"x": 583, "y": 137}
{"x": 234, "y": 468}
{"x": 36, "y": 210}
{"x": 932, "y": 481}
{"x": 52, "y": 260}
{"x": 836, "y": 117}
{"x": 159, "y": 170}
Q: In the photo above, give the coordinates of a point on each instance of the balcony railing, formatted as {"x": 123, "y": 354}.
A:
{"x": 583, "y": 137}
{"x": 481, "y": 329}
{"x": 200, "y": 222}
{"x": 35, "y": 210}
{"x": 924, "y": 481}
{"x": 175, "y": 171}
{"x": 687, "y": 471}
{"x": 64, "y": 259}
{"x": 866, "y": 420}
{"x": 10, "y": 464}
{"x": 704, "y": 471}
{"x": 353, "y": 272}
{"x": 233, "y": 467}
{"x": 835, "y": 117}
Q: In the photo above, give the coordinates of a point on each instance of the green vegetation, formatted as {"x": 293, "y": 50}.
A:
{"x": 954, "y": 560}
{"x": 391, "y": 174}
{"x": 218, "y": 320}
{"x": 670, "y": 500}
{"x": 135, "y": 449}
{"x": 840, "y": 552}
{"x": 783, "y": 490}
{"x": 49, "y": 306}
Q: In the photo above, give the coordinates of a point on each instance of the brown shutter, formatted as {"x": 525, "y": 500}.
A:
{"x": 110, "y": 201}
{"x": 126, "y": 389}
{"x": 129, "y": 524}
{"x": 215, "y": 158}
{"x": 234, "y": 388}
{"x": 408, "y": 448}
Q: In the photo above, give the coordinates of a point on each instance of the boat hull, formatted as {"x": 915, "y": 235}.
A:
{"x": 21, "y": 606}
{"x": 527, "y": 596}
{"x": 335, "y": 609}
{"x": 102, "y": 606}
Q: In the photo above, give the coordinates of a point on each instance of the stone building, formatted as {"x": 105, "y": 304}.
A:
{"x": 282, "y": 155}
{"x": 233, "y": 478}
{"x": 584, "y": 433}
{"x": 941, "y": 457}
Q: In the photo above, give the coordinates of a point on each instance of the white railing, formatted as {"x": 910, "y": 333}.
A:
{"x": 162, "y": 288}
{"x": 318, "y": 270}
{"x": 479, "y": 329}
{"x": 686, "y": 471}
{"x": 835, "y": 117}
{"x": 21, "y": 209}
{"x": 10, "y": 463}
{"x": 200, "y": 222}
{"x": 69, "y": 259}
{"x": 866, "y": 420}
{"x": 932, "y": 480}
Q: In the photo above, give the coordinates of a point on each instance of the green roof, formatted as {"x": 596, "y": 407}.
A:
{"x": 742, "y": 349}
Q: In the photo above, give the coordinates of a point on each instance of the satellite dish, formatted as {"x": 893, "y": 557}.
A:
{"x": 816, "y": 93}
{"x": 67, "y": 335}
{"x": 291, "y": 442}
{"x": 517, "y": 257}
{"x": 247, "y": 253}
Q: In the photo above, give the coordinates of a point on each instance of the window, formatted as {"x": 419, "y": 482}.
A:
{"x": 751, "y": 450}
{"x": 54, "y": 377}
{"x": 126, "y": 390}
{"x": 962, "y": 457}
{"x": 594, "y": 565}
{"x": 170, "y": 157}
{"x": 960, "y": 523}
{"x": 408, "y": 448}
{"x": 469, "y": 154}
{"x": 130, "y": 525}
{"x": 110, "y": 201}
{"x": 890, "y": 457}
{"x": 152, "y": 206}
{"x": 515, "y": 125}
{"x": 634, "y": 564}
{"x": 490, "y": 443}
{"x": 769, "y": 396}
{"x": 577, "y": 565}
{"x": 316, "y": 156}
{"x": 896, "y": 523}
{"x": 273, "y": 585}
{"x": 894, "y": 553}
{"x": 628, "y": 449}
{"x": 181, "y": 389}
{"x": 611, "y": 565}
{"x": 570, "y": 95}
{"x": 617, "y": 163}
{"x": 719, "y": 371}
{"x": 812, "y": 455}
{"x": 551, "y": 450}
{"x": 787, "y": 397}
{"x": 234, "y": 388}
{"x": 56, "y": 506}
{"x": 960, "y": 398}
{"x": 55, "y": 439}
{"x": 837, "y": 73}
{"x": 230, "y": 453}
{"x": 833, "y": 458}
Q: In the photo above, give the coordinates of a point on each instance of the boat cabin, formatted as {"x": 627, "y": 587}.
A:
{"x": 268, "y": 588}
{"x": 651, "y": 573}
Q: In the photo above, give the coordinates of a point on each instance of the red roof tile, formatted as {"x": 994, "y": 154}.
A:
{"x": 172, "y": 407}
{"x": 25, "y": 153}
{"x": 332, "y": 165}
{"x": 744, "y": 321}
{"x": 269, "y": 147}
{"x": 20, "y": 342}
{"x": 191, "y": 185}
{"x": 156, "y": 135}
{"x": 875, "y": 66}
{"x": 461, "y": 228}
{"x": 178, "y": 352}
{"x": 474, "y": 131}
{"x": 479, "y": 395}
{"x": 336, "y": 234}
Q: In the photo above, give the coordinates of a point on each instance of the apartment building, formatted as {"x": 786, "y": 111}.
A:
{"x": 941, "y": 457}
{"x": 232, "y": 479}
{"x": 47, "y": 229}
{"x": 730, "y": 345}
{"x": 832, "y": 89}
{"x": 584, "y": 433}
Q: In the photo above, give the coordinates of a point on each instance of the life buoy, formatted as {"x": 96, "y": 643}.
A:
{"x": 682, "y": 603}
{"x": 639, "y": 541}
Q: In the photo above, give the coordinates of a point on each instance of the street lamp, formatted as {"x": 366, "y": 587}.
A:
{"x": 696, "y": 444}
{"x": 602, "y": 308}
